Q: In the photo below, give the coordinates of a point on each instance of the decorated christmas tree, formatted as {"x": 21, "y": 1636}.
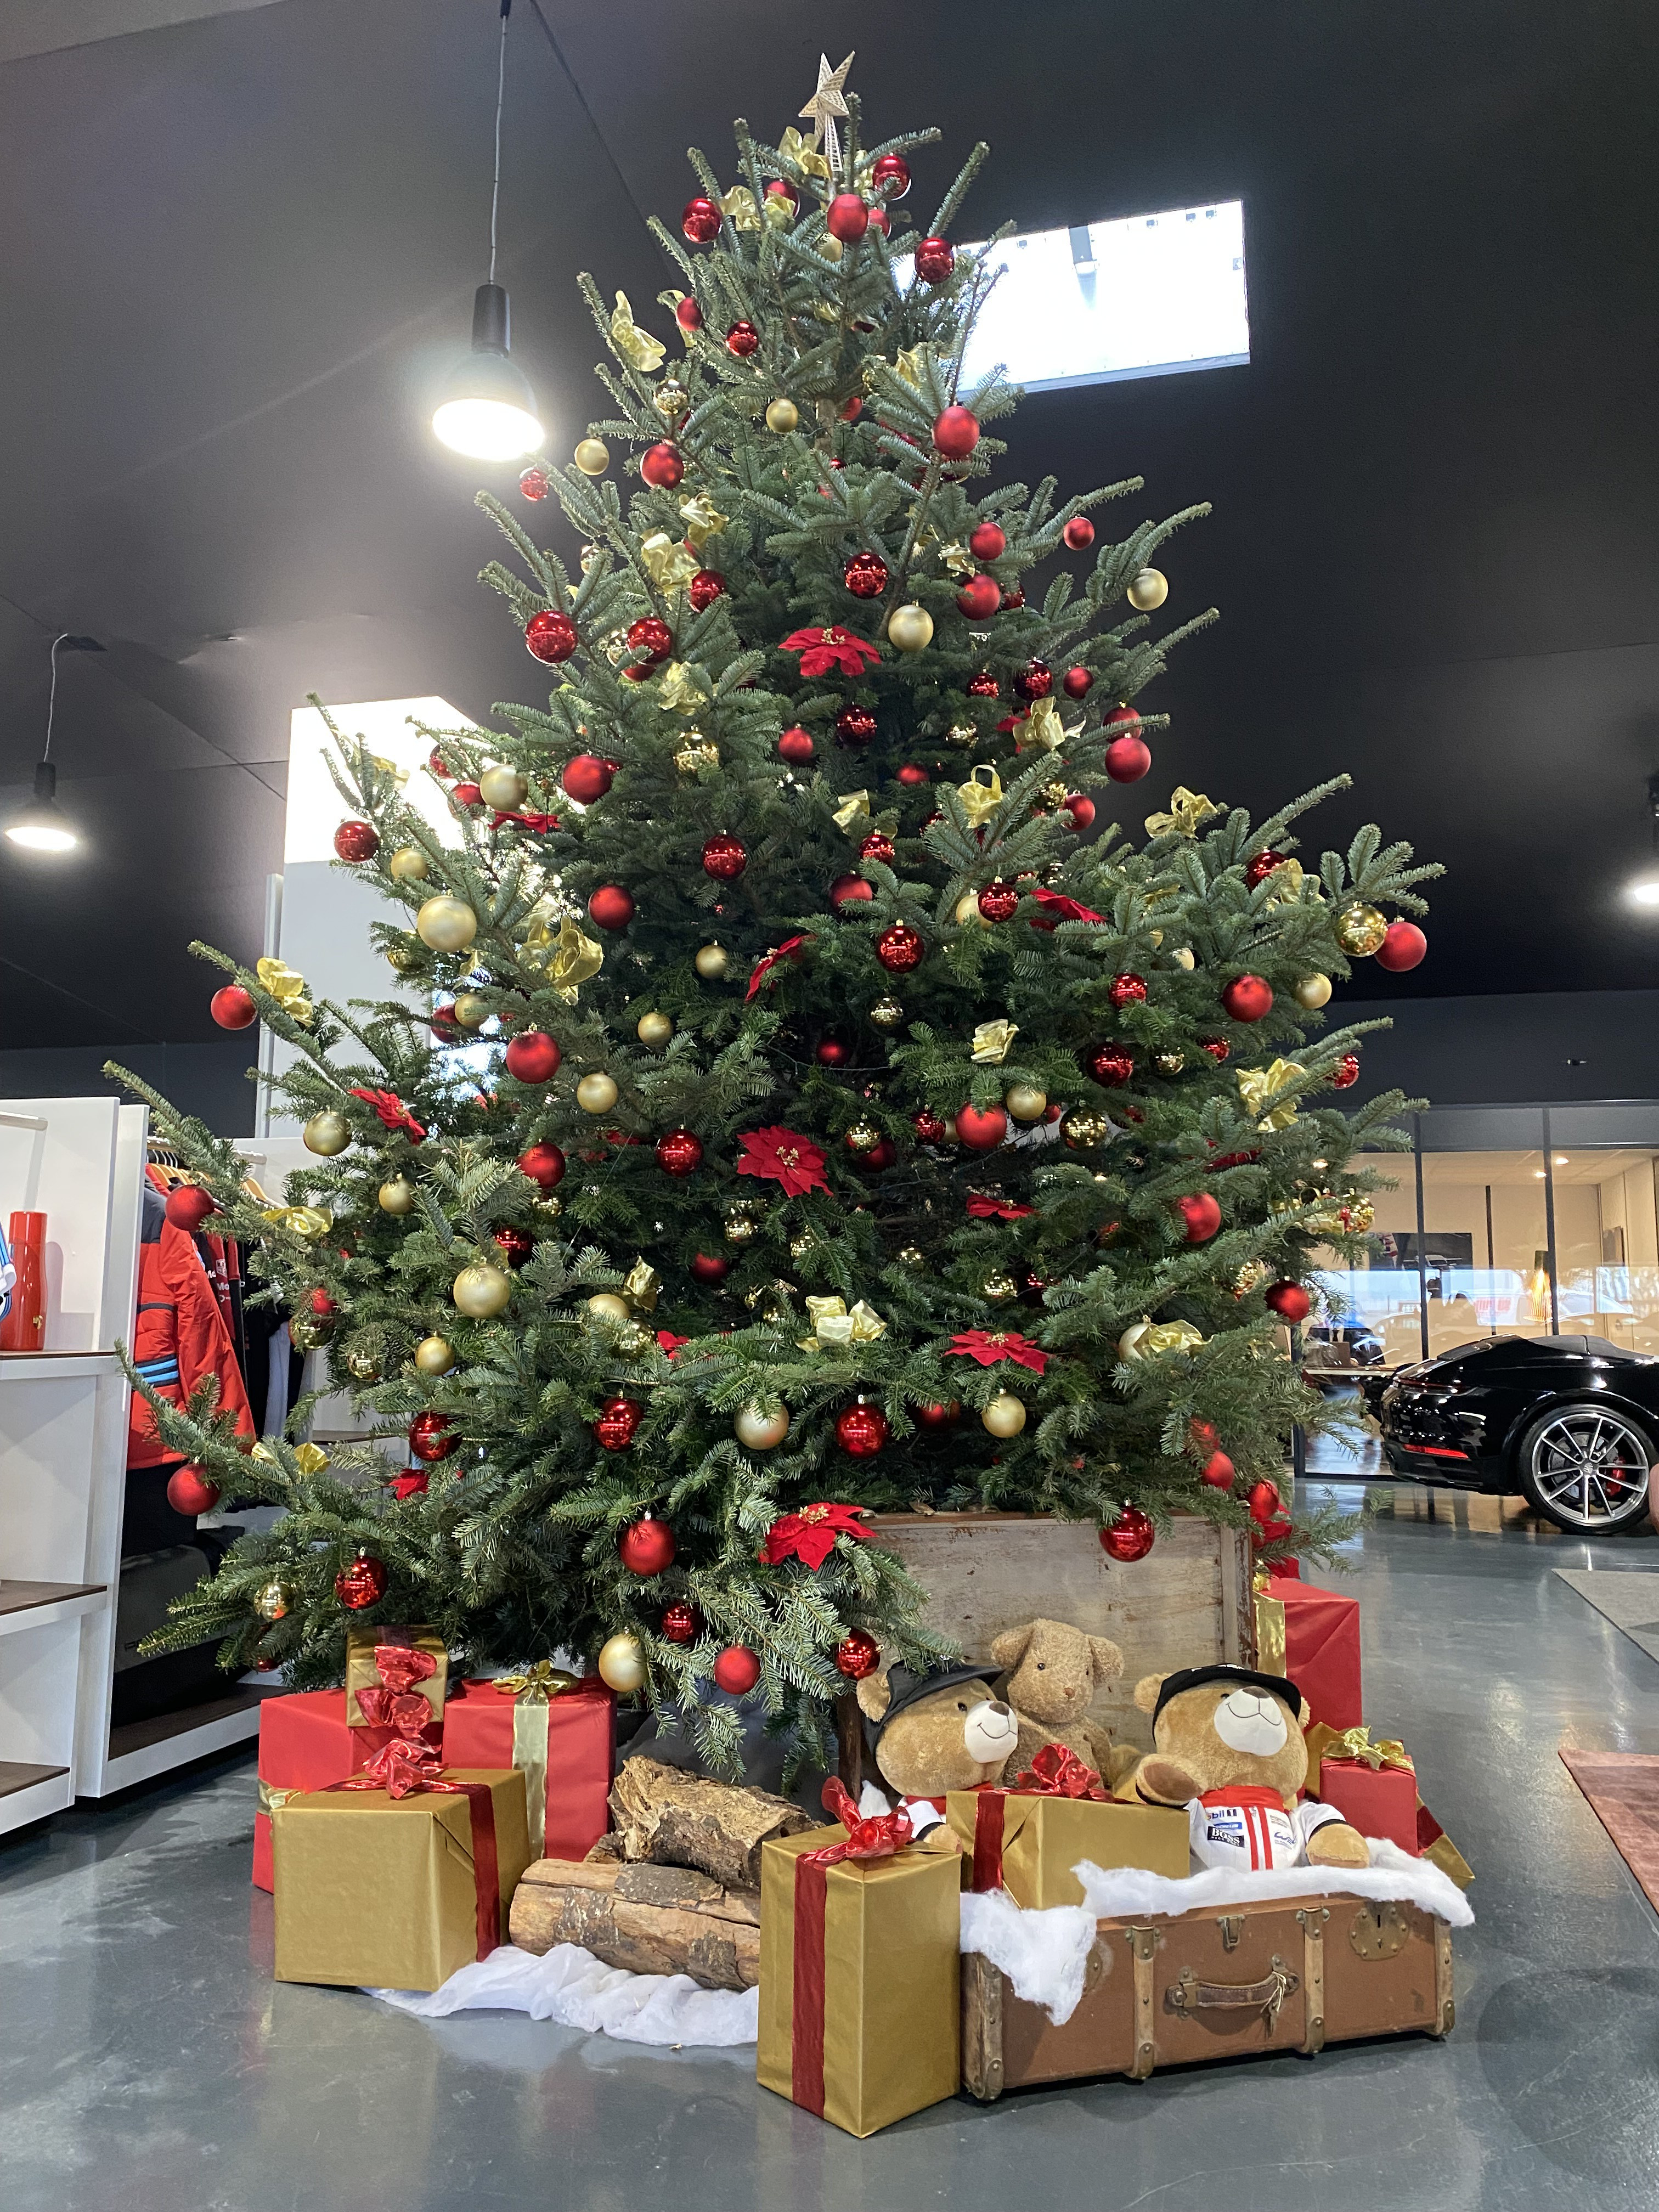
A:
{"x": 871, "y": 1122}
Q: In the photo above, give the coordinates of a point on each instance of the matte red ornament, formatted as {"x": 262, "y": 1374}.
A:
{"x": 648, "y": 1547}
{"x": 737, "y": 1670}
{"x": 700, "y": 220}
{"x": 899, "y": 948}
{"x": 188, "y": 1207}
{"x": 710, "y": 1267}
{"x": 532, "y": 1058}
{"x": 1264, "y": 1503}
{"x": 467, "y": 794}
{"x": 704, "y": 589}
{"x": 612, "y": 907}
{"x": 532, "y": 483}
{"x": 883, "y": 1156}
{"x": 430, "y": 1436}
{"x": 956, "y": 432}
{"x": 847, "y": 891}
{"x": 1076, "y": 683}
{"x": 550, "y": 635}
{"x": 743, "y": 339}
{"x": 189, "y": 1492}
{"x": 891, "y": 175}
{"x": 982, "y": 1128}
{"x": 847, "y": 218}
{"x": 781, "y": 189}
{"x": 988, "y": 541}
{"x": 516, "y": 1245}
{"x": 689, "y": 315}
{"x": 1035, "y": 681}
{"x": 725, "y": 858}
{"x": 233, "y": 1008}
{"x": 681, "y": 1623}
{"x": 1126, "y": 990}
{"x": 679, "y": 1153}
{"x": 1261, "y": 865}
{"x": 1248, "y": 998}
{"x": 857, "y": 1654}
{"x": 1346, "y": 1073}
{"x": 616, "y": 1426}
{"x": 934, "y": 260}
{"x": 662, "y": 466}
{"x": 1131, "y": 1536}
{"x": 830, "y": 1052}
{"x": 855, "y": 726}
{"x": 1218, "y": 1470}
{"x": 444, "y": 1026}
{"x": 861, "y": 1430}
{"x": 1111, "y": 1065}
{"x": 878, "y": 846}
{"x": 796, "y": 746}
{"x": 983, "y": 686}
{"x": 999, "y": 901}
{"x": 356, "y": 841}
{"x": 912, "y": 773}
{"x": 1081, "y": 809}
{"x": 651, "y": 636}
{"x": 1127, "y": 759}
{"x": 943, "y": 1413}
{"x": 543, "y": 1164}
{"x": 1289, "y": 1300}
{"x": 866, "y": 575}
{"x": 322, "y": 1305}
{"x": 1218, "y": 1047}
{"x": 1403, "y": 947}
{"x": 1201, "y": 1215}
{"x": 1078, "y": 533}
{"x": 588, "y": 777}
{"x": 979, "y": 600}
{"x": 362, "y": 1583}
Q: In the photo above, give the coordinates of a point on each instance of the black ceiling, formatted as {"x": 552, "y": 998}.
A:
{"x": 239, "y": 250}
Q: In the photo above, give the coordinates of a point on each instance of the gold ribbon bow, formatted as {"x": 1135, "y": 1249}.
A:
{"x": 739, "y": 208}
{"x": 310, "y": 1458}
{"x": 1148, "y": 1338}
{"x": 991, "y": 1040}
{"x": 702, "y": 519}
{"x": 307, "y": 1221}
{"x": 956, "y": 560}
{"x": 981, "y": 795}
{"x": 1356, "y": 1743}
{"x": 1042, "y": 726}
{"x": 272, "y": 1799}
{"x": 537, "y": 1685}
{"x": 679, "y": 691}
{"x": 911, "y": 367}
{"x": 1285, "y": 882}
{"x": 641, "y": 1285}
{"x": 1258, "y": 1086}
{"x": 399, "y": 775}
{"x": 800, "y": 153}
{"x": 637, "y": 347}
{"x": 572, "y": 959}
{"x": 854, "y": 807}
{"x": 1186, "y": 810}
{"x": 834, "y": 1326}
{"x": 288, "y": 986}
{"x": 667, "y": 562}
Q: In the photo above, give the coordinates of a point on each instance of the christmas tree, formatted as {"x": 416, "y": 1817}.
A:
{"x": 872, "y": 1125}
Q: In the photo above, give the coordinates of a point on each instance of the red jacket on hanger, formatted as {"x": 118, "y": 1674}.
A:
{"x": 179, "y": 1335}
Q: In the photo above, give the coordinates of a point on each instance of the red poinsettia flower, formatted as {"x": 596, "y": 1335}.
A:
{"x": 393, "y": 1114}
{"x": 981, "y": 1208}
{"x": 412, "y": 1483}
{"x": 789, "y": 949}
{"x": 821, "y": 650}
{"x": 668, "y": 1342}
{"x": 538, "y": 824}
{"x": 1058, "y": 907}
{"x": 780, "y": 1156}
{"x": 988, "y": 1347}
{"x": 810, "y": 1535}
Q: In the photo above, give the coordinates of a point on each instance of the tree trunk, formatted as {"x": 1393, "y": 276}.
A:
{"x": 650, "y": 1919}
{"x": 671, "y": 1818}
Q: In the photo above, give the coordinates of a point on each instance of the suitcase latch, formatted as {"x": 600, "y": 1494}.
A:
{"x": 1379, "y": 1931}
{"x": 1232, "y": 1925}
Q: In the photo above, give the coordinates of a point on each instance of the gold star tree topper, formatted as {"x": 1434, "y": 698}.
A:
{"x": 826, "y": 103}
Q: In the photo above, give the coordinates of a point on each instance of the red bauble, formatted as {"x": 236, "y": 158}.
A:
{"x": 616, "y": 1426}
{"x": 704, "y": 589}
{"x": 322, "y": 1305}
{"x": 444, "y": 1026}
{"x": 662, "y": 466}
{"x": 1078, "y": 533}
{"x": 847, "y": 218}
{"x": 980, "y": 598}
{"x": 857, "y": 1654}
{"x": 866, "y": 575}
{"x": 1203, "y": 1433}
{"x": 796, "y": 746}
{"x": 362, "y": 1583}
{"x": 651, "y": 636}
{"x": 983, "y": 686}
{"x": 588, "y": 777}
{"x": 743, "y": 339}
{"x": 1126, "y": 989}
{"x": 878, "y": 846}
{"x": 532, "y": 1058}
{"x": 982, "y": 1129}
{"x": 681, "y": 1623}
{"x": 998, "y": 901}
{"x": 911, "y": 775}
{"x": 1129, "y": 1537}
{"x": 1402, "y": 948}
{"x": 934, "y": 260}
{"x": 1081, "y": 810}
{"x": 612, "y": 907}
{"x": 944, "y": 1413}
{"x": 988, "y": 541}
{"x": 188, "y": 1207}
{"x": 737, "y": 1670}
{"x": 233, "y": 1008}
{"x": 725, "y": 858}
{"x": 550, "y": 635}
{"x": 1264, "y": 1503}
{"x": 1035, "y": 681}
{"x": 1013, "y": 601}
{"x": 1076, "y": 683}
{"x": 430, "y": 1436}
{"x": 1111, "y": 1065}
{"x": 861, "y": 1430}
{"x": 847, "y": 891}
{"x": 1201, "y": 1215}
{"x": 516, "y": 1245}
{"x": 1248, "y": 998}
{"x": 1346, "y": 1073}
{"x": 700, "y": 220}
{"x": 356, "y": 841}
{"x": 1217, "y": 1471}
{"x": 1289, "y": 1300}
{"x": 891, "y": 175}
{"x": 1127, "y": 759}
{"x": 679, "y": 1153}
{"x": 1261, "y": 865}
{"x": 437, "y": 763}
{"x": 532, "y": 484}
{"x": 1218, "y": 1047}
{"x": 467, "y": 794}
{"x": 189, "y": 1492}
{"x": 780, "y": 189}
{"x": 851, "y": 408}
{"x": 543, "y": 1164}
{"x": 689, "y": 315}
{"x": 899, "y": 948}
{"x": 956, "y": 432}
{"x": 882, "y": 1156}
{"x": 830, "y": 1052}
{"x": 710, "y": 1267}
{"x": 648, "y": 1546}
{"x": 855, "y": 726}
{"x": 929, "y": 1126}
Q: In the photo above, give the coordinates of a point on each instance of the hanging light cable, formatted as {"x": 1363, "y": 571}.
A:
{"x": 42, "y": 826}
{"x": 488, "y": 410}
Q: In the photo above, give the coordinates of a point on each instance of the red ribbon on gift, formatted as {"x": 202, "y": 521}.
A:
{"x": 1056, "y": 1771}
{"x": 394, "y": 1704}
{"x": 882, "y": 1837}
{"x": 403, "y": 1768}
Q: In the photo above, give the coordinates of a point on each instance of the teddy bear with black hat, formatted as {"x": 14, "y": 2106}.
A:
{"x": 934, "y": 1732}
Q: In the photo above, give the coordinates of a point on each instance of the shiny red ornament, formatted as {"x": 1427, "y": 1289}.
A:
{"x": 781, "y": 189}
{"x": 189, "y": 1492}
{"x": 444, "y": 1026}
{"x": 543, "y": 1164}
{"x": 532, "y": 1058}
{"x": 1127, "y": 759}
{"x": 943, "y": 1413}
{"x": 532, "y": 483}
{"x": 878, "y": 846}
{"x": 1013, "y": 601}
{"x": 1035, "y": 681}
{"x": 725, "y": 858}
{"x": 934, "y": 260}
{"x": 689, "y": 315}
{"x": 704, "y": 589}
{"x": 861, "y": 1430}
{"x": 188, "y": 1207}
{"x": 884, "y": 1153}
{"x": 1346, "y": 1073}
{"x": 1261, "y": 865}
{"x": 610, "y": 906}
{"x": 912, "y": 774}
{"x": 1264, "y": 1503}
{"x": 515, "y": 1245}
{"x": 988, "y": 541}
{"x": 681, "y": 1623}
{"x": 983, "y": 686}
{"x": 850, "y": 409}
{"x": 1111, "y": 1065}
{"x": 662, "y": 466}
{"x": 550, "y": 635}
{"x": 956, "y": 432}
{"x": 981, "y": 1128}
{"x": 710, "y": 1267}
{"x": 430, "y": 1436}
{"x": 848, "y": 892}
{"x": 1248, "y": 998}
{"x": 232, "y": 1007}
{"x": 891, "y": 175}
{"x": 855, "y": 726}
{"x": 866, "y": 575}
{"x": 647, "y": 1545}
{"x": 1403, "y": 947}
{"x": 1078, "y": 533}
{"x": 1128, "y": 990}
{"x": 857, "y": 1654}
{"x": 1218, "y": 1047}
{"x": 617, "y": 1424}
{"x": 796, "y": 746}
{"x": 847, "y": 218}
{"x": 362, "y": 1583}
{"x": 737, "y": 1670}
{"x": 1081, "y": 809}
{"x": 830, "y": 1052}
{"x": 700, "y": 219}
{"x": 588, "y": 777}
{"x": 1201, "y": 1215}
{"x": 999, "y": 901}
{"x": 467, "y": 794}
{"x": 929, "y": 1126}
{"x": 1217, "y": 1471}
{"x": 322, "y": 1305}
{"x": 980, "y": 598}
{"x": 679, "y": 1153}
{"x": 1076, "y": 683}
{"x": 1131, "y": 1536}
{"x": 743, "y": 339}
{"x": 1289, "y": 1300}
{"x": 356, "y": 841}
{"x": 900, "y": 948}
{"x": 651, "y": 636}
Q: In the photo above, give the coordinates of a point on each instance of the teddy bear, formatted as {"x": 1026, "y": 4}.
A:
{"x": 1052, "y": 1672}
{"x": 935, "y": 1732}
{"x": 1229, "y": 1747}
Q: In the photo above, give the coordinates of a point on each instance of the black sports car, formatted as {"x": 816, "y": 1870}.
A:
{"x": 1572, "y": 1421}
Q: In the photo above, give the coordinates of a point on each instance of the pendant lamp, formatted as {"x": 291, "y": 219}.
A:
{"x": 42, "y": 826}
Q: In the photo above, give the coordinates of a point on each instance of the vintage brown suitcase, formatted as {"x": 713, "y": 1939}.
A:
{"x": 1287, "y": 1974}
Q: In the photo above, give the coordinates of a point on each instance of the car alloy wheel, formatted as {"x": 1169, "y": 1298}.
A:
{"x": 1586, "y": 1469}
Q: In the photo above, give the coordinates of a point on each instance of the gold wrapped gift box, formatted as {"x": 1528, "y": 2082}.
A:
{"x": 1028, "y": 1844}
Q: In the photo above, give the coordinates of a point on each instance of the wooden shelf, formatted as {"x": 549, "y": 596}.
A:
{"x": 16, "y": 1774}
{"x": 54, "y": 1366}
{"x": 21, "y": 1597}
{"x": 164, "y": 1728}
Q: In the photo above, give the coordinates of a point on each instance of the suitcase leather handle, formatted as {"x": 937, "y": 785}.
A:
{"x": 1188, "y": 1993}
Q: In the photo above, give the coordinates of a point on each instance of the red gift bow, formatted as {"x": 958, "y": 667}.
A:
{"x": 782, "y": 1157}
{"x": 987, "y": 1346}
{"x": 400, "y": 1665}
{"x": 391, "y": 1703}
{"x": 393, "y": 1114}
{"x": 810, "y": 1535}
{"x": 402, "y": 1769}
{"x": 1057, "y": 1771}
{"x": 538, "y": 824}
{"x": 1060, "y": 908}
{"x": 789, "y": 949}
{"x": 996, "y": 1209}
{"x": 821, "y": 650}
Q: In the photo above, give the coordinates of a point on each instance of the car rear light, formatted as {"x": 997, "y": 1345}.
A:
{"x": 1438, "y": 1451}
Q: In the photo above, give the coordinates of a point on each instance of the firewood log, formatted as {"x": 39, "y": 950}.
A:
{"x": 671, "y": 1818}
{"x": 650, "y": 1919}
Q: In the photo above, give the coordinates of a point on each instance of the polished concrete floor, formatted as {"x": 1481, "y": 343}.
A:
{"x": 148, "y": 2062}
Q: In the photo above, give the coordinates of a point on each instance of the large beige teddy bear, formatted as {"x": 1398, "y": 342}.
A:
{"x": 1054, "y": 1671}
{"x": 934, "y": 1733}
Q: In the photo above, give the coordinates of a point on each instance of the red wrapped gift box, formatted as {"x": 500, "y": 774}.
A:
{"x": 563, "y": 1739}
{"x": 305, "y": 1744}
{"x": 1378, "y": 1801}
{"x": 1321, "y": 1650}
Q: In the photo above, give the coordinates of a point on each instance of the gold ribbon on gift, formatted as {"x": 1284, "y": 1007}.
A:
{"x": 800, "y": 153}
{"x": 1042, "y": 726}
{"x": 288, "y": 986}
{"x": 667, "y": 562}
{"x": 572, "y": 959}
{"x": 981, "y": 795}
{"x": 834, "y": 1327}
{"x": 1259, "y": 1086}
{"x": 637, "y": 347}
{"x": 1186, "y": 810}
{"x": 1326, "y": 1742}
{"x": 542, "y": 1683}
{"x": 679, "y": 691}
{"x": 1270, "y": 1648}
{"x": 739, "y": 208}
{"x": 855, "y": 807}
{"x": 641, "y": 1285}
{"x": 272, "y": 1799}
{"x": 991, "y": 1040}
{"x": 702, "y": 519}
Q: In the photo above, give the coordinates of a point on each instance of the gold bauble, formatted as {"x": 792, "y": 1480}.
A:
{"x": 783, "y": 415}
{"x": 434, "y": 1355}
{"x": 1082, "y": 1129}
{"x": 712, "y": 961}
{"x": 968, "y": 910}
{"x": 801, "y": 1245}
{"x": 1053, "y": 794}
{"x": 887, "y": 1013}
{"x": 597, "y": 1093}
{"x": 622, "y": 1663}
{"x": 1314, "y": 992}
{"x": 447, "y": 925}
{"x": 760, "y": 1430}
{"x": 653, "y": 1030}
{"x": 1250, "y": 1277}
{"x": 910, "y": 627}
{"x": 471, "y": 1009}
{"x": 1128, "y": 1344}
{"x": 404, "y": 955}
{"x": 408, "y": 864}
{"x": 549, "y": 1204}
{"x": 831, "y": 249}
{"x": 587, "y": 557}
{"x": 1026, "y": 1103}
{"x": 396, "y": 1196}
{"x": 694, "y": 752}
{"x": 1183, "y": 958}
{"x": 740, "y": 1228}
{"x": 961, "y": 734}
{"x": 997, "y": 1286}
{"x": 1005, "y": 1416}
{"x": 862, "y": 1137}
{"x": 326, "y": 1133}
{"x": 481, "y": 1291}
{"x": 1169, "y": 1063}
{"x": 671, "y": 399}
{"x": 615, "y": 646}
{"x": 305, "y": 1333}
{"x": 503, "y": 788}
{"x": 363, "y": 1365}
{"x": 1361, "y": 929}
{"x": 631, "y": 1338}
{"x": 610, "y": 1305}
{"x": 272, "y": 1602}
{"x": 1148, "y": 590}
{"x": 592, "y": 457}
{"x": 910, "y": 1255}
